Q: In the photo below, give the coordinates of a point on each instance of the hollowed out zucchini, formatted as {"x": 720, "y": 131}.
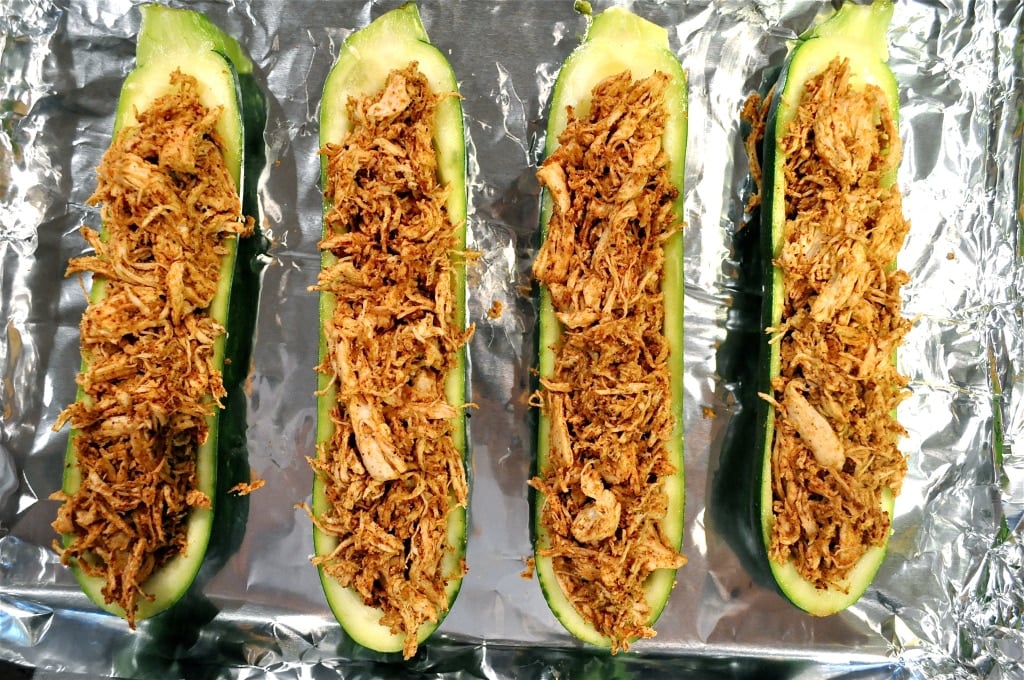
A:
{"x": 858, "y": 34}
{"x": 393, "y": 41}
{"x": 616, "y": 41}
{"x": 170, "y": 40}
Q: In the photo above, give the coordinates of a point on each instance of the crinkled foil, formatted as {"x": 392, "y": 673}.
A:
{"x": 948, "y": 600}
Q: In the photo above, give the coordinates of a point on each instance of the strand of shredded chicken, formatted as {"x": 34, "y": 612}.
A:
{"x": 169, "y": 206}
{"x": 835, "y": 448}
{"x": 608, "y": 398}
{"x": 392, "y": 470}
{"x": 755, "y": 113}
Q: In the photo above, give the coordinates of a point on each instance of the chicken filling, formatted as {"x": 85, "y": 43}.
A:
{"x": 392, "y": 470}
{"x": 608, "y": 396}
{"x": 169, "y": 208}
{"x": 836, "y": 436}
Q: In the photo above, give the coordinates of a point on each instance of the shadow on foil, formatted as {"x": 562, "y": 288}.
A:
{"x": 736, "y": 484}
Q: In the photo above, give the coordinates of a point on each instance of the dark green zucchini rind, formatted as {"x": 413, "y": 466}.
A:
{"x": 170, "y": 40}
{"x": 391, "y": 42}
{"x": 616, "y": 41}
{"x": 857, "y": 33}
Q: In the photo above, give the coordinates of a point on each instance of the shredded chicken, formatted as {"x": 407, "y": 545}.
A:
{"x": 169, "y": 208}
{"x": 392, "y": 470}
{"x": 246, "y": 488}
{"x": 755, "y": 112}
{"x": 607, "y": 398}
{"x": 835, "y": 447}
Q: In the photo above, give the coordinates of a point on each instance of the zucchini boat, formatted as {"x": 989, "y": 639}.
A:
{"x": 140, "y": 468}
{"x": 391, "y": 429}
{"x": 832, "y": 224}
{"x": 610, "y": 489}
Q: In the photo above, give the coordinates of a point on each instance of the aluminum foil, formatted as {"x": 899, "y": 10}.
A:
{"x": 948, "y": 600}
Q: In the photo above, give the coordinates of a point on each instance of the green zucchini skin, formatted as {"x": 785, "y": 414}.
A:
{"x": 391, "y": 42}
{"x": 615, "y": 41}
{"x": 857, "y": 33}
{"x": 160, "y": 52}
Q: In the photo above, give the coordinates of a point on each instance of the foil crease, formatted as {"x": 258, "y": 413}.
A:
{"x": 949, "y": 598}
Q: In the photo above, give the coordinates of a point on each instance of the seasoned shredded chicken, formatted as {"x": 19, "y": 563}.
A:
{"x": 392, "y": 470}
{"x": 169, "y": 207}
{"x": 246, "y": 488}
{"x": 755, "y": 112}
{"x": 608, "y": 397}
{"x": 836, "y": 437}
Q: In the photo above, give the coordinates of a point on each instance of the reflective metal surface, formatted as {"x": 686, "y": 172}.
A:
{"x": 948, "y": 600}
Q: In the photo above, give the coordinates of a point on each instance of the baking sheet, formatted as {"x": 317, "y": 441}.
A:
{"x": 948, "y": 599}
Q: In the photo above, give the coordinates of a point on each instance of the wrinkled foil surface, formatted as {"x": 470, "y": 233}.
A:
{"x": 949, "y": 597}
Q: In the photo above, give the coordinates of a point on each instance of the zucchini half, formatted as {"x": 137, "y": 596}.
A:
{"x": 391, "y": 42}
{"x": 858, "y": 34}
{"x": 169, "y": 40}
{"x": 617, "y": 40}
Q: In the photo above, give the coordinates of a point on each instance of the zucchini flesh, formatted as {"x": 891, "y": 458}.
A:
{"x": 856, "y": 33}
{"x": 188, "y": 48}
{"x": 167, "y": 31}
{"x": 367, "y": 57}
{"x": 618, "y": 41}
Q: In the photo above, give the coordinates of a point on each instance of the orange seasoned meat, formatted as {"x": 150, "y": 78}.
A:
{"x": 169, "y": 206}
{"x": 392, "y": 470}
{"x": 836, "y": 436}
{"x": 607, "y": 398}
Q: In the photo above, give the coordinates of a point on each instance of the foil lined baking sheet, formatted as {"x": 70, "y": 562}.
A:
{"x": 948, "y": 600}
